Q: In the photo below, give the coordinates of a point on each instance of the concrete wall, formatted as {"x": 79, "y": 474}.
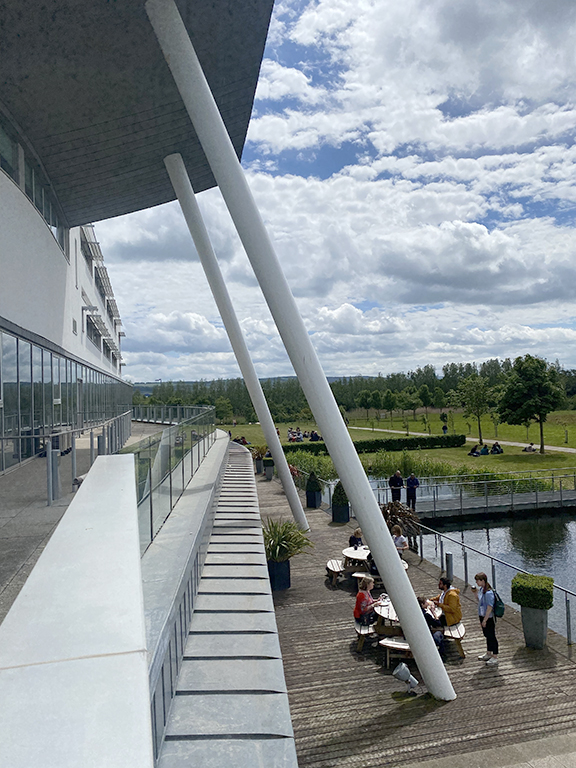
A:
{"x": 40, "y": 290}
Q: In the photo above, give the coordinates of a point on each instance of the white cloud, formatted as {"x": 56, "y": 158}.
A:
{"x": 433, "y": 220}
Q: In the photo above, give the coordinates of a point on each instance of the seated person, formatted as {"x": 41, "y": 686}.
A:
{"x": 365, "y": 603}
{"x": 434, "y": 624}
{"x": 484, "y": 451}
{"x": 449, "y": 601}
{"x": 529, "y": 448}
{"x": 372, "y": 566}
{"x": 400, "y": 541}
{"x": 356, "y": 539}
{"x": 474, "y": 451}
{"x": 496, "y": 448}
{"x": 313, "y": 436}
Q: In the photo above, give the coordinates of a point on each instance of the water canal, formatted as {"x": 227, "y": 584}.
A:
{"x": 544, "y": 544}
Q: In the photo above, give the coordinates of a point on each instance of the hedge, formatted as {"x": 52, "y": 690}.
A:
{"x": 533, "y": 591}
{"x": 388, "y": 444}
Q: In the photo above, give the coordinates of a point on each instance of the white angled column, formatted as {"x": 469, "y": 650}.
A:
{"x": 187, "y": 199}
{"x": 195, "y": 92}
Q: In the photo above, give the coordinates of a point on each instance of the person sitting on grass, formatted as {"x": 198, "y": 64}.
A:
{"x": 529, "y": 448}
{"x": 474, "y": 451}
{"x": 496, "y": 448}
{"x": 484, "y": 451}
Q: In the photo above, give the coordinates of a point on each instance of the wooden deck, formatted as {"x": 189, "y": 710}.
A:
{"x": 347, "y": 710}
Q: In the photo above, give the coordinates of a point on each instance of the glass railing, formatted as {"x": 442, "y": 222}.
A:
{"x": 165, "y": 463}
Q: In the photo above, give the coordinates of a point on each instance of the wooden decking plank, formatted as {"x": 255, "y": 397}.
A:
{"x": 348, "y": 711}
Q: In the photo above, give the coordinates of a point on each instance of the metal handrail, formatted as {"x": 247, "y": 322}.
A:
{"x": 493, "y": 560}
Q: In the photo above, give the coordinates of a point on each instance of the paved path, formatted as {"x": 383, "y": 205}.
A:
{"x": 348, "y": 711}
{"x": 27, "y": 523}
{"x": 468, "y": 439}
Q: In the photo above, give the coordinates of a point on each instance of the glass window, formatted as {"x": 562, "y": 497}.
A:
{"x": 10, "y": 448}
{"x": 28, "y": 180}
{"x": 25, "y": 382}
{"x": 8, "y": 153}
{"x": 48, "y": 395}
{"x": 38, "y": 387}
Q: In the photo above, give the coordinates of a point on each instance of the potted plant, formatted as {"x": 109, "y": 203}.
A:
{"x": 535, "y": 595}
{"x": 313, "y": 492}
{"x": 282, "y": 540}
{"x": 340, "y": 504}
{"x": 258, "y": 452}
{"x": 268, "y": 463}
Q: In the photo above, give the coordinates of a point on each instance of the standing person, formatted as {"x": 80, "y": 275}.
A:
{"x": 396, "y": 483}
{"x": 411, "y": 484}
{"x": 485, "y": 595}
{"x": 400, "y": 541}
{"x": 449, "y": 601}
{"x": 365, "y": 603}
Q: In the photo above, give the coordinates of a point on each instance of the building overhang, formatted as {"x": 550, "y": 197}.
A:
{"x": 87, "y": 86}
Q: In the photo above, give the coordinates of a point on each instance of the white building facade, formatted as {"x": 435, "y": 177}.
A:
{"x": 60, "y": 330}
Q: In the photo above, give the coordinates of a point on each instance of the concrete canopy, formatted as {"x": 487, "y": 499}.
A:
{"x": 87, "y": 85}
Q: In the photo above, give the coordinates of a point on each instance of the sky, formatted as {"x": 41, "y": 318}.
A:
{"x": 415, "y": 165}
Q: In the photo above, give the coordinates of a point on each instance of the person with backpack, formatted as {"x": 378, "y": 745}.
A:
{"x": 486, "y": 601}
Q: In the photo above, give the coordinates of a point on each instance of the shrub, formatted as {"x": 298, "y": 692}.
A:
{"x": 283, "y": 539}
{"x": 339, "y": 496}
{"x": 533, "y": 591}
{"x": 258, "y": 451}
{"x": 388, "y": 444}
{"x": 313, "y": 484}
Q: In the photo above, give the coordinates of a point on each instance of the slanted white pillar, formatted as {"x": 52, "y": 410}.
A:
{"x": 208, "y": 124}
{"x": 185, "y": 194}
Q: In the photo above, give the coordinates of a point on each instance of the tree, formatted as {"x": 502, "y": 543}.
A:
{"x": 425, "y": 396}
{"x": 377, "y": 402}
{"x": 476, "y": 396}
{"x": 439, "y": 398}
{"x": 533, "y": 390}
{"x": 412, "y": 400}
{"x": 389, "y": 402}
{"x": 364, "y": 400}
{"x": 224, "y": 410}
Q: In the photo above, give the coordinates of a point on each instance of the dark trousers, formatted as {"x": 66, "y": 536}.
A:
{"x": 395, "y": 494}
{"x": 489, "y": 632}
{"x": 411, "y": 499}
{"x": 368, "y": 618}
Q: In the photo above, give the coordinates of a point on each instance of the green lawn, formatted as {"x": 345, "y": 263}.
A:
{"x": 555, "y": 428}
{"x": 512, "y": 460}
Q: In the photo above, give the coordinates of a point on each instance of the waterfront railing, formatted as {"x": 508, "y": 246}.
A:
{"x": 441, "y": 493}
{"x": 168, "y": 414}
{"x": 466, "y": 560}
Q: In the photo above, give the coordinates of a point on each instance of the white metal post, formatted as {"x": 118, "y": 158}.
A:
{"x": 218, "y": 148}
{"x": 187, "y": 199}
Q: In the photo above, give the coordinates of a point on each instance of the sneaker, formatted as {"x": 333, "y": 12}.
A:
{"x": 492, "y": 662}
{"x": 485, "y": 657}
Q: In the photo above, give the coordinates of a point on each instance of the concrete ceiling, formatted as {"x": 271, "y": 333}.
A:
{"x": 87, "y": 85}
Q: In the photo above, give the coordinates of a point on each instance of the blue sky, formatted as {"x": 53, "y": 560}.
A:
{"x": 415, "y": 165}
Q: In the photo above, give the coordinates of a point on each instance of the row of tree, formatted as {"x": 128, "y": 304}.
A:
{"x": 517, "y": 393}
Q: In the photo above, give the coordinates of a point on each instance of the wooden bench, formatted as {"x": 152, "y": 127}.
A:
{"x": 363, "y": 631}
{"x": 334, "y": 568}
{"x": 456, "y": 632}
{"x": 395, "y": 647}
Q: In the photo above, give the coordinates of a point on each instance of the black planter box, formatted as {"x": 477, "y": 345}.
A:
{"x": 340, "y": 513}
{"x": 279, "y": 575}
{"x": 313, "y": 499}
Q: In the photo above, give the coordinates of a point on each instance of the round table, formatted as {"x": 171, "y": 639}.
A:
{"x": 356, "y": 554}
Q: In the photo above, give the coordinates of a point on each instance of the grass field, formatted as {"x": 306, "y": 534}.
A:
{"x": 559, "y": 423}
{"x": 512, "y": 460}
